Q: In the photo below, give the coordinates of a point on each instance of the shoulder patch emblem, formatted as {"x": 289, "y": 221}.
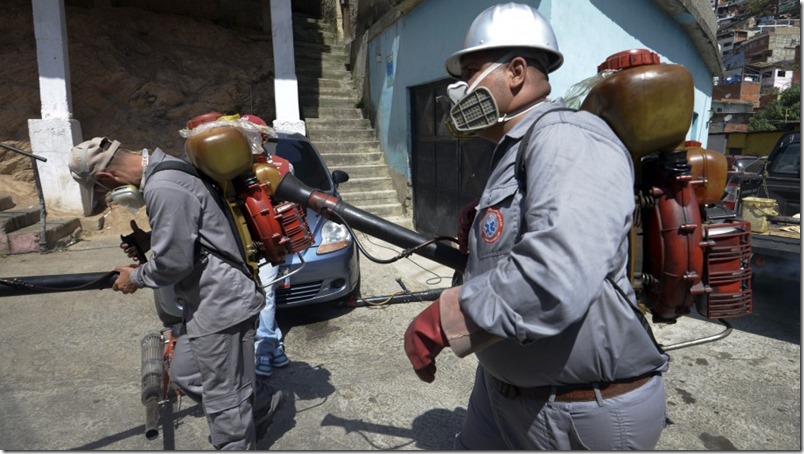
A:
{"x": 492, "y": 226}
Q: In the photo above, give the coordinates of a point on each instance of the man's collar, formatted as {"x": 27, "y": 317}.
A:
{"x": 522, "y": 126}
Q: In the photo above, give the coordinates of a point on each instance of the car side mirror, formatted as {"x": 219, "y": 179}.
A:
{"x": 339, "y": 176}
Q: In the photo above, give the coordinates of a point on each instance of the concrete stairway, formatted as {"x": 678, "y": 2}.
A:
{"x": 336, "y": 125}
{"x": 20, "y": 229}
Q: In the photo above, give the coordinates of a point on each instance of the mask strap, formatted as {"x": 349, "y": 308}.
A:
{"x": 487, "y": 71}
{"x": 509, "y": 116}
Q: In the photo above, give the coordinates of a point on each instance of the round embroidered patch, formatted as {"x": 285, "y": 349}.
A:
{"x": 492, "y": 226}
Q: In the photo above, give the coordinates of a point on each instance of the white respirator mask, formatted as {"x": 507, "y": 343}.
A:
{"x": 128, "y": 196}
{"x": 474, "y": 108}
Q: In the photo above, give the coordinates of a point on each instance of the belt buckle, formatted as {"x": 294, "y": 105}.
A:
{"x": 508, "y": 390}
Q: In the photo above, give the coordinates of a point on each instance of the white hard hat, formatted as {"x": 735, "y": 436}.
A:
{"x": 506, "y": 26}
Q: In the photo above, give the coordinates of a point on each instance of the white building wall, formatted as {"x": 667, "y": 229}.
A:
{"x": 777, "y": 78}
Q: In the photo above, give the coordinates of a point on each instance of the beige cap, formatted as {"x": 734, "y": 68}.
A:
{"x": 86, "y": 159}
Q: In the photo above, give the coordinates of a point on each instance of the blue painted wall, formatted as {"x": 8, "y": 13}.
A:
{"x": 412, "y": 52}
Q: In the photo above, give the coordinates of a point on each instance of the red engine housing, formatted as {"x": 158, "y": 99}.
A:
{"x": 672, "y": 245}
{"x": 687, "y": 260}
{"x": 278, "y": 230}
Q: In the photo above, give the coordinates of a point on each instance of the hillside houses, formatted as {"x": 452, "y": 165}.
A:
{"x": 761, "y": 51}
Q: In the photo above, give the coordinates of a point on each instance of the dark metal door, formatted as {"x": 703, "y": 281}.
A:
{"x": 447, "y": 173}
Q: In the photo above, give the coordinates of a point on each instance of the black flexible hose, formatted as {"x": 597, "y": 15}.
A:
{"x": 29, "y": 285}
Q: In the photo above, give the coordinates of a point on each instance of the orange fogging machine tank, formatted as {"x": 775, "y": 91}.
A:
{"x": 686, "y": 258}
{"x": 229, "y": 151}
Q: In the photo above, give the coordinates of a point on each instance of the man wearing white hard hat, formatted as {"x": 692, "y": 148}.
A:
{"x": 564, "y": 361}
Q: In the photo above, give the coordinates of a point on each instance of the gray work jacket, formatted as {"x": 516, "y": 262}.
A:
{"x": 183, "y": 215}
{"x": 540, "y": 256}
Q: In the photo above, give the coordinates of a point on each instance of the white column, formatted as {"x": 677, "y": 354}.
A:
{"x": 286, "y": 87}
{"x": 56, "y": 132}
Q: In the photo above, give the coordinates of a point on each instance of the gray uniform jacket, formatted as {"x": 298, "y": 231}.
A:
{"x": 540, "y": 255}
{"x": 183, "y": 214}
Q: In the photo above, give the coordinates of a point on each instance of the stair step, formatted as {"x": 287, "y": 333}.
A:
{"x": 365, "y": 170}
{"x": 370, "y": 198}
{"x": 322, "y": 72}
{"x": 334, "y": 135}
{"x": 371, "y": 184}
{"x": 11, "y": 220}
{"x": 58, "y": 233}
{"x": 324, "y": 65}
{"x": 325, "y": 113}
{"x": 312, "y": 22}
{"x": 319, "y": 48}
{"x": 314, "y": 90}
{"x": 310, "y": 56}
{"x": 6, "y": 203}
{"x": 319, "y": 83}
{"x": 317, "y": 124}
{"x": 303, "y": 34}
{"x": 327, "y": 103}
{"x": 323, "y": 99}
{"x": 343, "y": 160}
{"x": 339, "y": 147}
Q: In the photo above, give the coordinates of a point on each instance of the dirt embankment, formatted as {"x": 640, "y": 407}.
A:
{"x": 135, "y": 76}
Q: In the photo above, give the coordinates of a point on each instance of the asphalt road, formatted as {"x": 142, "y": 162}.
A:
{"x": 70, "y": 370}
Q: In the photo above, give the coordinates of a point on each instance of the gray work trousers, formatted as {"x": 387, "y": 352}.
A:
{"x": 633, "y": 420}
{"x": 217, "y": 371}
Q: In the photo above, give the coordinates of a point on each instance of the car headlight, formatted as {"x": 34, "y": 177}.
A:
{"x": 334, "y": 237}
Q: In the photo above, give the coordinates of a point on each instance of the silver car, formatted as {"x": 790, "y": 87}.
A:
{"x": 330, "y": 270}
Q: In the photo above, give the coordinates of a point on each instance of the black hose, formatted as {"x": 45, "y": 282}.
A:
{"x": 292, "y": 189}
{"x": 407, "y": 297}
{"x": 29, "y": 285}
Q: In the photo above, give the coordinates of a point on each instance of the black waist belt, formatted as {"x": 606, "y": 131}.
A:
{"x": 571, "y": 393}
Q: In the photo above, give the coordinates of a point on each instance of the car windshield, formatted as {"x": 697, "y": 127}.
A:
{"x": 789, "y": 161}
{"x": 754, "y": 166}
{"x": 739, "y": 163}
{"x": 307, "y": 166}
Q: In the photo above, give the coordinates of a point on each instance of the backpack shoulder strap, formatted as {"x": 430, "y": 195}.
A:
{"x": 181, "y": 166}
{"x": 519, "y": 170}
{"x": 213, "y": 189}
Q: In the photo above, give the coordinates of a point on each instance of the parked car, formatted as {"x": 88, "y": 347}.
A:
{"x": 783, "y": 174}
{"x": 329, "y": 270}
{"x": 744, "y": 177}
{"x": 746, "y": 163}
{"x": 777, "y": 177}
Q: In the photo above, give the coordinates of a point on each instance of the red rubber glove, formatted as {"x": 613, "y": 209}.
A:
{"x": 465, "y": 218}
{"x": 424, "y": 340}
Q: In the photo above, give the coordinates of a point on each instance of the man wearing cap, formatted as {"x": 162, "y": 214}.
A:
{"x": 564, "y": 361}
{"x": 213, "y": 362}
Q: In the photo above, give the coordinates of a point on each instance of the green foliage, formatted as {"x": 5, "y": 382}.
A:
{"x": 785, "y": 109}
{"x": 761, "y": 7}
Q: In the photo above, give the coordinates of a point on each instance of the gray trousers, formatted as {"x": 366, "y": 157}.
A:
{"x": 217, "y": 371}
{"x": 633, "y": 420}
